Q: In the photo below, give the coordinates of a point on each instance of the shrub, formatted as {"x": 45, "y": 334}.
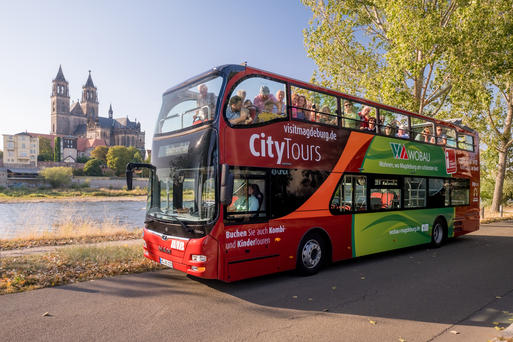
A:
{"x": 93, "y": 167}
{"x": 57, "y": 176}
{"x": 78, "y": 172}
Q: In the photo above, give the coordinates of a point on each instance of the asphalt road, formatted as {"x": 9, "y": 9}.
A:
{"x": 454, "y": 293}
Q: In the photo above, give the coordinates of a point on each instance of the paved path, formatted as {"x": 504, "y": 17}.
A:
{"x": 417, "y": 294}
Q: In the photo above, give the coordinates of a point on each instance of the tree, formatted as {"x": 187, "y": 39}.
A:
{"x": 119, "y": 156}
{"x": 485, "y": 92}
{"x": 57, "y": 176}
{"x": 1, "y": 154}
{"x": 45, "y": 150}
{"x": 93, "y": 167}
{"x": 57, "y": 149}
{"x": 100, "y": 153}
{"x": 390, "y": 51}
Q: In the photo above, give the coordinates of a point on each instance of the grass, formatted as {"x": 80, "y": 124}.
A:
{"x": 27, "y": 193}
{"x": 69, "y": 265}
{"x": 71, "y": 231}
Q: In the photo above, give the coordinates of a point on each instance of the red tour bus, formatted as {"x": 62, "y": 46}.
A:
{"x": 254, "y": 173}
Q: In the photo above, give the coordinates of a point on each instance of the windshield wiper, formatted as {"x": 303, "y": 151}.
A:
{"x": 187, "y": 229}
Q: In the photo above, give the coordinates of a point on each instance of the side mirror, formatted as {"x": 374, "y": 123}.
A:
{"x": 226, "y": 191}
{"x": 130, "y": 172}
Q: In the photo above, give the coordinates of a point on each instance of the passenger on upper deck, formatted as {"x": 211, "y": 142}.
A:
{"x": 441, "y": 138}
{"x": 364, "y": 117}
{"x": 236, "y": 114}
{"x": 425, "y": 136}
{"x": 371, "y": 124}
{"x": 388, "y": 130}
{"x": 401, "y": 133}
{"x": 204, "y": 98}
{"x": 298, "y": 112}
{"x": 351, "y": 116}
{"x": 281, "y": 106}
{"x": 264, "y": 100}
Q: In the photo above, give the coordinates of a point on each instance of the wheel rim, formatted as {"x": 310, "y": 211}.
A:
{"x": 437, "y": 233}
{"x": 311, "y": 254}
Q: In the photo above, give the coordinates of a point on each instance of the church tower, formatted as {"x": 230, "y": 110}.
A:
{"x": 89, "y": 101}
{"x": 60, "y": 104}
{"x": 111, "y": 112}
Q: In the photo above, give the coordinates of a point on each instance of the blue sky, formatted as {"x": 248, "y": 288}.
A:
{"x": 136, "y": 50}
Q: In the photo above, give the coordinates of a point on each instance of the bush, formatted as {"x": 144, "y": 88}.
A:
{"x": 57, "y": 176}
{"x": 82, "y": 160}
{"x": 93, "y": 167}
{"x": 78, "y": 172}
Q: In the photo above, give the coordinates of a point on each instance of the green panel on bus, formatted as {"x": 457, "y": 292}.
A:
{"x": 384, "y": 231}
{"x": 394, "y": 156}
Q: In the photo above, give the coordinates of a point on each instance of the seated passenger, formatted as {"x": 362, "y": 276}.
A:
{"x": 371, "y": 124}
{"x": 328, "y": 119}
{"x": 281, "y": 106}
{"x": 401, "y": 133}
{"x": 425, "y": 136}
{"x": 247, "y": 199}
{"x": 388, "y": 130}
{"x": 235, "y": 113}
{"x": 264, "y": 99}
{"x": 242, "y": 94}
{"x": 351, "y": 115}
{"x": 441, "y": 138}
{"x": 298, "y": 112}
{"x": 364, "y": 117}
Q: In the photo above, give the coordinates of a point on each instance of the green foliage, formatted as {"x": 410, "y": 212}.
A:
{"x": 82, "y": 159}
{"x": 45, "y": 150}
{"x": 78, "y": 172}
{"x": 57, "y": 176}
{"x": 93, "y": 167}
{"x": 390, "y": 51}
{"x": 1, "y": 154}
{"x": 57, "y": 149}
{"x": 100, "y": 153}
{"x": 119, "y": 156}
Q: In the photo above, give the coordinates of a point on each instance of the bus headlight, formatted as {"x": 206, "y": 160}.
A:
{"x": 199, "y": 258}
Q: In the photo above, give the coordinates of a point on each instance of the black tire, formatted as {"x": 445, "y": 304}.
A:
{"x": 311, "y": 254}
{"x": 439, "y": 233}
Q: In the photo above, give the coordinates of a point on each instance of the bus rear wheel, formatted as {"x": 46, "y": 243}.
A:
{"x": 439, "y": 234}
{"x": 311, "y": 254}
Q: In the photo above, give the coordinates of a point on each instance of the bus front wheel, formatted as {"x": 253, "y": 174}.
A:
{"x": 311, "y": 254}
{"x": 439, "y": 234}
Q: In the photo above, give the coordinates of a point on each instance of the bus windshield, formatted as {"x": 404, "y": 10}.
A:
{"x": 185, "y": 194}
{"x": 189, "y": 106}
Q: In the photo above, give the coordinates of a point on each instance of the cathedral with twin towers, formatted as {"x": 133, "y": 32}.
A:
{"x": 81, "y": 118}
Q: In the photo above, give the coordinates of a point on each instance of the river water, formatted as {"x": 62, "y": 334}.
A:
{"x": 19, "y": 218}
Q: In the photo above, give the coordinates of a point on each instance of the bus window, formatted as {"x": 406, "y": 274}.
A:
{"x": 397, "y": 123}
{"x": 261, "y": 100}
{"x": 450, "y": 136}
{"x": 368, "y": 118}
{"x": 414, "y": 192}
{"x": 385, "y": 193}
{"x": 191, "y": 106}
{"x": 422, "y": 130}
{"x": 314, "y": 106}
{"x": 351, "y": 118}
{"x": 438, "y": 194}
{"x": 350, "y": 195}
{"x": 466, "y": 142}
{"x": 460, "y": 190}
{"x": 249, "y": 198}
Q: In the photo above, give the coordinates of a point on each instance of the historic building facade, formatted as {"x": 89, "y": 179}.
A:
{"x": 81, "y": 119}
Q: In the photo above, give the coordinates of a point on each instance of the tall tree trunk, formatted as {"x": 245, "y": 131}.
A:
{"x": 499, "y": 182}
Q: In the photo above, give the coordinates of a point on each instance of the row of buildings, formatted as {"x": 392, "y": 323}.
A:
{"x": 77, "y": 124}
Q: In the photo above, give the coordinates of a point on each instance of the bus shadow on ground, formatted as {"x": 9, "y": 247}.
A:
{"x": 439, "y": 285}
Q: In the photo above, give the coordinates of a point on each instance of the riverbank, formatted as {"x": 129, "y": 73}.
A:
{"x": 82, "y": 194}
{"x": 69, "y": 265}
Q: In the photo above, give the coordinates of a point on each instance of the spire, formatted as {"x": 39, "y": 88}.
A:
{"x": 89, "y": 82}
{"x": 60, "y": 75}
{"x": 110, "y": 111}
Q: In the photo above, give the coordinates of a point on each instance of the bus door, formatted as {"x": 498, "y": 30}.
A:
{"x": 248, "y": 248}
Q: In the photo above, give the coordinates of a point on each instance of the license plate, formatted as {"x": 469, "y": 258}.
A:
{"x": 167, "y": 263}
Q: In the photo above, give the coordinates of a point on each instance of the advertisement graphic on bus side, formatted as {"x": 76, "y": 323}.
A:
{"x": 387, "y": 155}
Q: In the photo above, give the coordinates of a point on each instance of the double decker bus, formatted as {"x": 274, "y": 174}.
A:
{"x": 254, "y": 173}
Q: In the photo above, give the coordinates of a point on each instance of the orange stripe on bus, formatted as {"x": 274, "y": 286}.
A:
{"x": 319, "y": 201}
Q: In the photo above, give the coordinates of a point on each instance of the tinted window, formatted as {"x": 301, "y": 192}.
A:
{"x": 291, "y": 188}
{"x": 460, "y": 191}
{"x": 438, "y": 194}
{"x": 393, "y": 124}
